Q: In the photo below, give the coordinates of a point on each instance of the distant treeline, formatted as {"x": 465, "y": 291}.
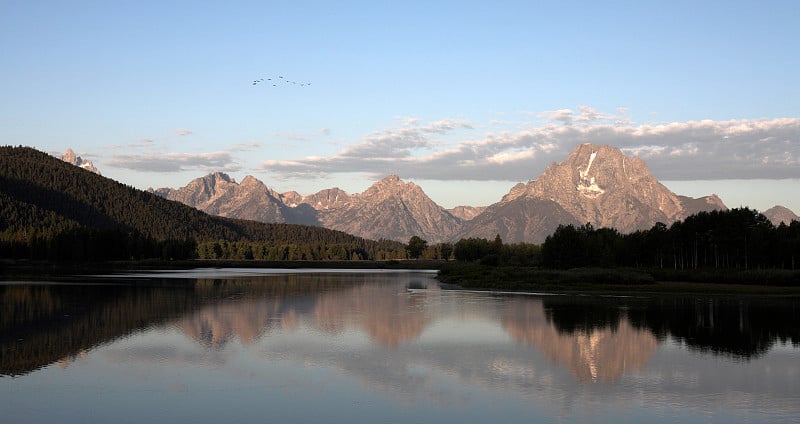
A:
{"x": 739, "y": 238}
{"x": 82, "y": 245}
{"x": 301, "y": 251}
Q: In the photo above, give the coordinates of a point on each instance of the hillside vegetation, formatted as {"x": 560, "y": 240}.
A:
{"x": 50, "y": 209}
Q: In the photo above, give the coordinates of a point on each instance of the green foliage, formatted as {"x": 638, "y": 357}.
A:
{"x": 471, "y": 249}
{"x": 480, "y": 276}
{"x": 446, "y": 251}
{"x": 497, "y": 253}
{"x": 571, "y": 247}
{"x": 738, "y": 238}
{"x": 415, "y": 247}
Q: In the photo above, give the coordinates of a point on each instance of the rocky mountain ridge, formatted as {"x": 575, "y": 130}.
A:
{"x": 595, "y": 184}
{"x": 780, "y": 214}
{"x": 70, "y": 157}
{"x": 389, "y": 209}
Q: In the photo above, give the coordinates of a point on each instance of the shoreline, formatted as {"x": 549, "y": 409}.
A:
{"x": 470, "y": 276}
{"x": 621, "y": 281}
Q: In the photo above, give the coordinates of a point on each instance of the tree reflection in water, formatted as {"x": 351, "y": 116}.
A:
{"x": 589, "y": 343}
{"x": 596, "y": 338}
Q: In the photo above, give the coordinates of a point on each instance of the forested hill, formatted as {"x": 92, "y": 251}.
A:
{"x": 43, "y": 198}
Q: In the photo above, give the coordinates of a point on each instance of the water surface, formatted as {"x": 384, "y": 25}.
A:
{"x": 229, "y": 345}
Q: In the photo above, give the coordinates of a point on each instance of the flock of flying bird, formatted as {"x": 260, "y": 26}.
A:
{"x": 276, "y": 81}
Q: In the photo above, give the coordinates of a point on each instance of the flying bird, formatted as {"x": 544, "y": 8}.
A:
{"x": 280, "y": 77}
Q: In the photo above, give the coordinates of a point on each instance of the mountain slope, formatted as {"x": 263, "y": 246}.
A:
{"x": 322, "y": 200}
{"x": 596, "y": 184}
{"x": 527, "y": 219}
{"x": 394, "y": 210}
{"x": 390, "y": 209}
{"x": 218, "y": 194}
{"x": 781, "y": 214}
{"x": 692, "y": 206}
{"x": 465, "y": 213}
{"x": 42, "y": 194}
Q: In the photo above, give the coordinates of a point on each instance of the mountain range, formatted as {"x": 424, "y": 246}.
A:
{"x": 43, "y": 198}
{"x": 595, "y": 184}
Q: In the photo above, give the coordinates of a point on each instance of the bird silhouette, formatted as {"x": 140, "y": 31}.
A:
{"x": 280, "y": 77}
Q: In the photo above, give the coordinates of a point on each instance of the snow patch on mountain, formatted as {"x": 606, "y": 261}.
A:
{"x": 588, "y": 186}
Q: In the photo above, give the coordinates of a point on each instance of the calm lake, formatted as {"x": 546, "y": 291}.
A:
{"x": 328, "y": 346}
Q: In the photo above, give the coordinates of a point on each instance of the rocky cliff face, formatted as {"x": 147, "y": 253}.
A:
{"x": 465, "y": 213}
{"x": 70, "y": 157}
{"x": 327, "y": 199}
{"x": 599, "y": 184}
{"x": 526, "y": 219}
{"x": 390, "y": 209}
{"x": 218, "y": 194}
{"x": 780, "y": 214}
{"x": 692, "y": 206}
{"x": 596, "y": 184}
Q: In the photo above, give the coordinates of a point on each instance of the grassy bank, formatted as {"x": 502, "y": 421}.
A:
{"x": 619, "y": 280}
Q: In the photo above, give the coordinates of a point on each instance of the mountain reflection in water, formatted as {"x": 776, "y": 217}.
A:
{"x": 388, "y": 317}
{"x": 596, "y": 339}
{"x": 591, "y": 352}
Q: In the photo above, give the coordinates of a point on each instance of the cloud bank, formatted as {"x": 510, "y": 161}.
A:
{"x": 693, "y": 150}
{"x": 224, "y": 160}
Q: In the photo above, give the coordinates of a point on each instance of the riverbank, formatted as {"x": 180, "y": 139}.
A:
{"x": 619, "y": 280}
{"x": 24, "y": 269}
{"x": 472, "y": 276}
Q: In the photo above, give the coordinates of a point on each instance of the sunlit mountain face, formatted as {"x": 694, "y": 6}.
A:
{"x": 598, "y": 184}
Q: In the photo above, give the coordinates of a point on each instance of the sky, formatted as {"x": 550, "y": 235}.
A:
{"x": 463, "y": 98}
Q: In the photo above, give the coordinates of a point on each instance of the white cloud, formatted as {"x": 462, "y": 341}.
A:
{"x": 644, "y": 152}
{"x": 586, "y": 115}
{"x": 183, "y": 131}
{"x": 508, "y": 157}
{"x": 446, "y": 125}
{"x": 688, "y": 150}
{"x": 693, "y": 150}
{"x": 176, "y": 162}
{"x": 242, "y": 147}
{"x": 564, "y": 116}
{"x": 378, "y": 153}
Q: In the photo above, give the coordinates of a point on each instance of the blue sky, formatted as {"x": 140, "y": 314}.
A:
{"x": 464, "y": 98}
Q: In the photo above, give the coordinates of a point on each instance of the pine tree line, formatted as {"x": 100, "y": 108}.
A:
{"x": 739, "y": 238}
